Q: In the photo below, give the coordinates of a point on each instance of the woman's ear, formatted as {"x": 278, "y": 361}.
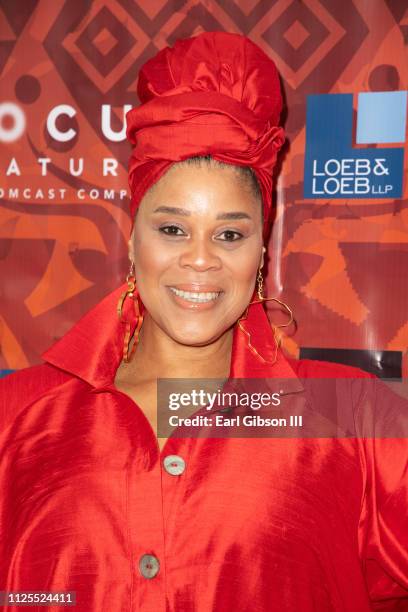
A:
{"x": 130, "y": 249}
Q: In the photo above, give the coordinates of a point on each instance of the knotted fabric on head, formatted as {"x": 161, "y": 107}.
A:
{"x": 215, "y": 94}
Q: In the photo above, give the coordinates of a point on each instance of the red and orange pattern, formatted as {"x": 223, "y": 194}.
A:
{"x": 339, "y": 264}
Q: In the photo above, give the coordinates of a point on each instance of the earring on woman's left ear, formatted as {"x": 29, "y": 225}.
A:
{"x": 259, "y": 280}
{"x": 130, "y": 293}
{"x": 262, "y": 298}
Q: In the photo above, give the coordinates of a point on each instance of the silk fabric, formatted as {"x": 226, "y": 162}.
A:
{"x": 255, "y": 525}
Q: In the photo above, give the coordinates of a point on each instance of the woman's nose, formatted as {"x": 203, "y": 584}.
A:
{"x": 200, "y": 255}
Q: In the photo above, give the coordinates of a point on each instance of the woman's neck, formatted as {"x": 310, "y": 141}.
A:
{"x": 159, "y": 356}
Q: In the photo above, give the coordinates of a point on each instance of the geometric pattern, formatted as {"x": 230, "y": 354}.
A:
{"x": 12, "y": 23}
{"x": 296, "y": 35}
{"x": 120, "y": 41}
{"x": 88, "y": 54}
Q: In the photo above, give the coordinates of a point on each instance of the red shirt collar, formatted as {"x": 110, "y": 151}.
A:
{"x": 93, "y": 348}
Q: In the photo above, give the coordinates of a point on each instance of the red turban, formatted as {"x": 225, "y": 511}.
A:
{"x": 215, "y": 94}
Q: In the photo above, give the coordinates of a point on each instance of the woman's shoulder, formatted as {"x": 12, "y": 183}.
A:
{"x": 22, "y": 387}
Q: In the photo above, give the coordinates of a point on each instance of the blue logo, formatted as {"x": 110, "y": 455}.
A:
{"x": 336, "y": 169}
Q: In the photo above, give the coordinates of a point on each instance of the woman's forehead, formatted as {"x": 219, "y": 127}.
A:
{"x": 194, "y": 183}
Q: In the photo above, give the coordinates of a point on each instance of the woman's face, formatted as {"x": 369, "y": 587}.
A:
{"x": 197, "y": 246}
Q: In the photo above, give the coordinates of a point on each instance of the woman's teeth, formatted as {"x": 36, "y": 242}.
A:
{"x": 192, "y": 296}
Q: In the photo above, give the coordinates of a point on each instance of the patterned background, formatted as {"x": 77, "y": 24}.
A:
{"x": 340, "y": 264}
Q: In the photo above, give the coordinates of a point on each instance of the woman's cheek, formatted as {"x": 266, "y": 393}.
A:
{"x": 245, "y": 269}
{"x": 149, "y": 258}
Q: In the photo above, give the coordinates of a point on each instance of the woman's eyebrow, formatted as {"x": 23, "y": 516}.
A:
{"x": 233, "y": 215}
{"x": 172, "y": 209}
{"x": 186, "y": 213}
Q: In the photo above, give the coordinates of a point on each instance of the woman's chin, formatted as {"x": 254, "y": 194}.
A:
{"x": 191, "y": 337}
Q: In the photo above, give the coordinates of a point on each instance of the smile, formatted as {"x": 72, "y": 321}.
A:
{"x": 195, "y": 296}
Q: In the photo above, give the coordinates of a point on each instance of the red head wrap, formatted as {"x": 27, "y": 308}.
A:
{"x": 215, "y": 94}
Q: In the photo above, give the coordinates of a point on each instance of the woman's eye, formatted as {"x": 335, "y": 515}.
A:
{"x": 226, "y": 236}
{"x": 171, "y": 230}
{"x": 231, "y": 236}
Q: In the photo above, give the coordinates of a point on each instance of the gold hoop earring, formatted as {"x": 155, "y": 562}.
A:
{"x": 259, "y": 280}
{"x": 262, "y": 298}
{"x": 131, "y": 281}
{"x": 130, "y": 293}
{"x": 278, "y": 340}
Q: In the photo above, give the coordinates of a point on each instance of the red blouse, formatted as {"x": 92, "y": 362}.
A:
{"x": 89, "y": 503}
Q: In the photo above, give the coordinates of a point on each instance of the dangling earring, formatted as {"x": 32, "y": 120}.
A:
{"x": 261, "y": 298}
{"x": 259, "y": 278}
{"x": 278, "y": 340}
{"x": 259, "y": 281}
{"x": 129, "y": 292}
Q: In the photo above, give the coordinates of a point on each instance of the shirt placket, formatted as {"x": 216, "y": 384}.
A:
{"x": 146, "y": 534}
{"x": 153, "y": 487}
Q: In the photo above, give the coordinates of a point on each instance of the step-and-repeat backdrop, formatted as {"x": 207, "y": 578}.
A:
{"x": 338, "y": 255}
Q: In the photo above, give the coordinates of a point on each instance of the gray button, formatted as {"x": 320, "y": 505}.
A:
{"x": 174, "y": 465}
{"x": 149, "y": 566}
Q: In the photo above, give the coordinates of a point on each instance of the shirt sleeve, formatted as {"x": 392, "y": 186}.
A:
{"x": 382, "y": 425}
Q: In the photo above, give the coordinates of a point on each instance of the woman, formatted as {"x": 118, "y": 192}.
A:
{"x": 92, "y": 501}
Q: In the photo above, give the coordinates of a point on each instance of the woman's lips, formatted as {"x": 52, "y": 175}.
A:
{"x": 196, "y": 287}
{"x": 195, "y": 297}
